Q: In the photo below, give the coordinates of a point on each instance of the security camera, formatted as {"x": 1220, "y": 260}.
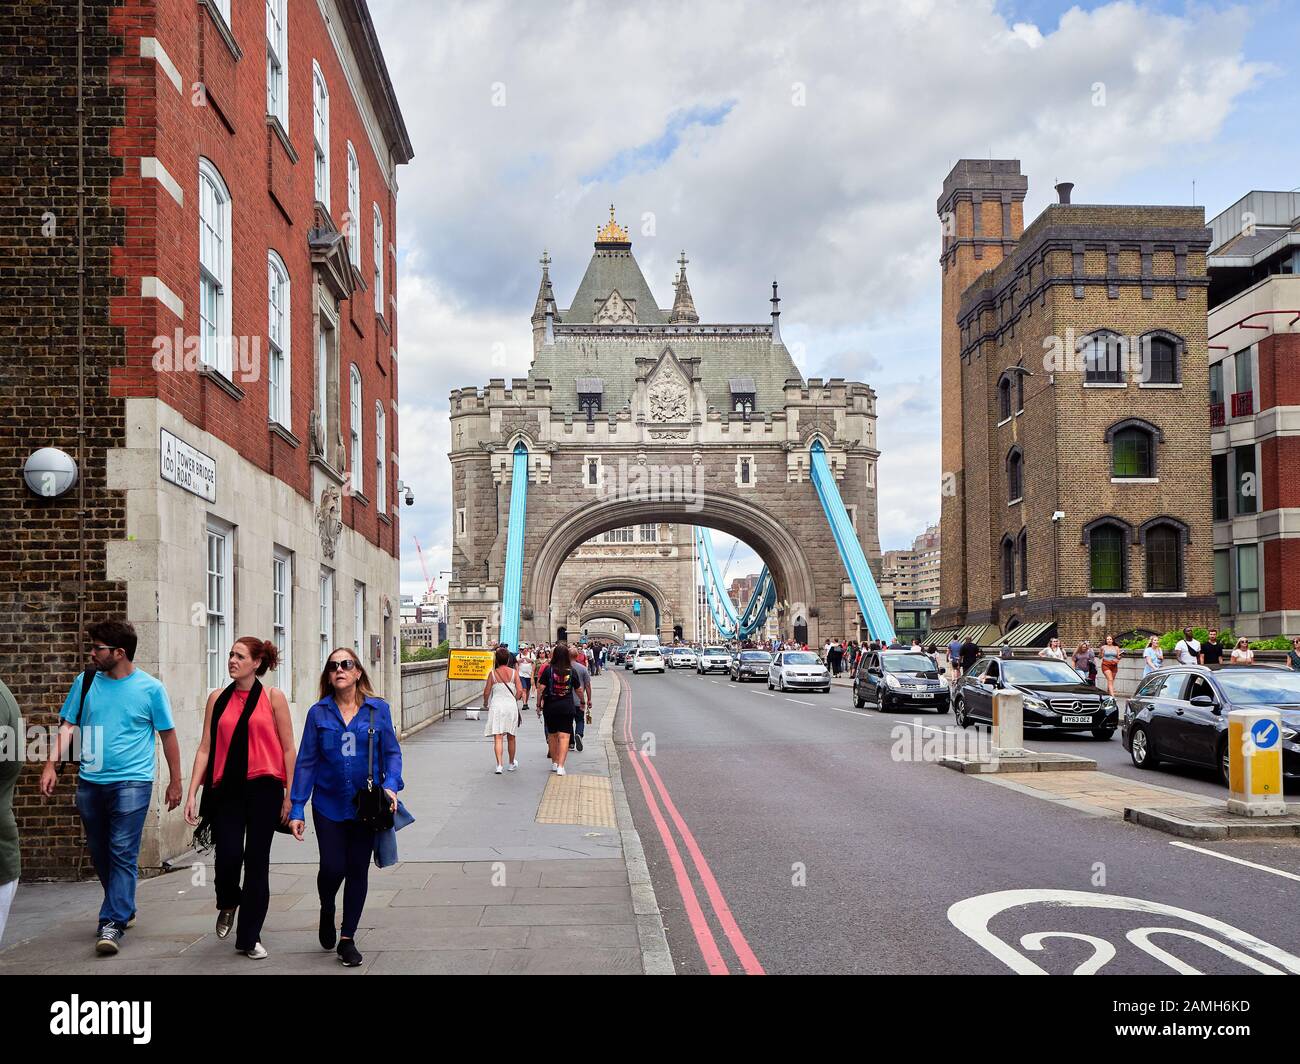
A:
{"x": 1058, "y": 515}
{"x": 410, "y": 497}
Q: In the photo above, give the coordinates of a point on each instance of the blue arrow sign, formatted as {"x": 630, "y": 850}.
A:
{"x": 1265, "y": 733}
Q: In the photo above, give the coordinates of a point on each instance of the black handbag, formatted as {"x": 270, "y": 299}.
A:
{"x": 373, "y": 807}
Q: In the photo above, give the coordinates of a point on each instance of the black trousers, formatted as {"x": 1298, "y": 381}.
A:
{"x": 242, "y": 833}
{"x": 346, "y": 847}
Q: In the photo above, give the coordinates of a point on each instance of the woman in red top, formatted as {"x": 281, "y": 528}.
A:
{"x": 245, "y": 763}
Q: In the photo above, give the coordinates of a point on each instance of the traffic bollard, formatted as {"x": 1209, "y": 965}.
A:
{"x": 1008, "y": 736}
{"x": 1255, "y": 763}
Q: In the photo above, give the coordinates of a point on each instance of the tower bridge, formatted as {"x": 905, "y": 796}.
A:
{"x": 632, "y": 415}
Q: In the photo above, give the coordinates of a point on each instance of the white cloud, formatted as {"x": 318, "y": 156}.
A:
{"x": 835, "y": 197}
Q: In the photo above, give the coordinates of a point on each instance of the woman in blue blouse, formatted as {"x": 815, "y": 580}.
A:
{"x": 331, "y": 767}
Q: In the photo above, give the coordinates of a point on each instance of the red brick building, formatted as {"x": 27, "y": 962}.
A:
{"x": 1255, "y": 413}
{"x": 206, "y": 324}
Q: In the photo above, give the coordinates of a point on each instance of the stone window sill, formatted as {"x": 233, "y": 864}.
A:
{"x": 385, "y": 518}
{"x": 1165, "y": 386}
{"x": 1104, "y": 384}
{"x": 1135, "y": 480}
{"x": 273, "y": 121}
{"x": 1016, "y": 501}
{"x": 361, "y": 498}
{"x": 219, "y": 21}
{"x": 283, "y": 432}
{"x": 221, "y": 381}
{"x": 1164, "y": 594}
{"x": 1004, "y": 421}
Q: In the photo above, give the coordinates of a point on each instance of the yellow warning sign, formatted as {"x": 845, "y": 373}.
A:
{"x": 469, "y": 664}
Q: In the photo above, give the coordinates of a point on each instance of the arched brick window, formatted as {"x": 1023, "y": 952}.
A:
{"x": 1102, "y": 353}
{"x": 1107, "y": 540}
{"x": 1133, "y": 448}
{"x": 1015, "y": 474}
{"x": 1163, "y": 540}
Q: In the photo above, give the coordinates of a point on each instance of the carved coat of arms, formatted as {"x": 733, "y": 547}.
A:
{"x": 668, "y": 400}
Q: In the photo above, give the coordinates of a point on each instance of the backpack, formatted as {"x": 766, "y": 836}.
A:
{"x": 557, "y": 687}
{"x": 87, "y": 678}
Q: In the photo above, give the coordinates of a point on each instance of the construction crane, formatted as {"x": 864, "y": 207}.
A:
{"x": 429, "y": 588}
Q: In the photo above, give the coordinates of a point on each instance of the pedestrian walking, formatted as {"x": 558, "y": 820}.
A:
{"x": 954, "y": 655}
{"x": 1242, "y": 654}
{"x": 969, "y": 654}
{"x": 1187, "y": 649}
{"x": 1211, "y": 649}
{"x": 1152, "y": 656}
{"x": 582, "y": 693}
{"x": 502, "y": 693}
{"x": 349, "y": 751}
{"x": 1111, "y": 652}
{"x": 1053, "y": 650}
{"x": 1085, "y": 662}
{"x": 1293, "y": 655}
{"x": 11, "y": 723}
{"x": 526, "y": 672}
{"x": 122, "y": 710}
{"x": 245, "y": 765}
{"x": 556, "y": 705}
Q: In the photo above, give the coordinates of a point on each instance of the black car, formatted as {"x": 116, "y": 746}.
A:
{"x": 1056, "y": 699}
{"x": 750, "y": 665}
{"x": 892, "y": 679}
{"x": 1180, "y": 714}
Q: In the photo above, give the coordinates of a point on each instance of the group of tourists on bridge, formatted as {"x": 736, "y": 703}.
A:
{"x": 255, "y": 782}
{"x": 559, "y": 677}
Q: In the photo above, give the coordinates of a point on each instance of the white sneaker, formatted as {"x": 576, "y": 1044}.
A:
{"x": 559, "y": 770}
{"x": 498, "y": 771}
{"x": 555, "y": 767}
{"x": 257, "y": 953}
{"x": 512, "y": 766}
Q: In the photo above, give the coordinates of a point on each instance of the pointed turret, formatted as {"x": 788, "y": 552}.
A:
{"x": 683, "y": 305}
{"x": 545, "y": 298}
{"x": 776, "y": 316}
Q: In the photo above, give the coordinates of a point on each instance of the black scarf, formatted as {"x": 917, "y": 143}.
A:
{"x": 234, "y": 777}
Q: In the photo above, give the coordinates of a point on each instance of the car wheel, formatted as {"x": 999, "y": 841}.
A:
{"x": 1225, "y": 764}
{"x": 1103, "y": 733}
{"x": 881, "y": 703}
{"x": 959, "y": 713}
{"x": 857, "y": 702}
{"x": 1141, "y": 749}
{"x": 780, "y": 682}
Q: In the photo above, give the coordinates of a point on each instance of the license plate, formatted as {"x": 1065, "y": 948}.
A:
{"x": 921, "y": 694}
{"x": 1076, "y": 720}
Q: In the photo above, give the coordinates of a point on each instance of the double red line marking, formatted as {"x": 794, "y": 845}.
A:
{"x": 713, "y": 959}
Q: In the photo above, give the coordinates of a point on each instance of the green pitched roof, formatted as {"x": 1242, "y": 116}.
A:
{"x": 613, "y": 269}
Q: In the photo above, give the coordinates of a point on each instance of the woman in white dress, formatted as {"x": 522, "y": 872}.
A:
{"x": 502, "y": 694}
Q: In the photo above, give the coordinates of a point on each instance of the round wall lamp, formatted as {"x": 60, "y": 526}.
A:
{"x": 50, "y": 472}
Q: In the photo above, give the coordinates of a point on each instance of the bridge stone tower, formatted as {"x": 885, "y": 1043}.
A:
{"x": 632, "y": 414}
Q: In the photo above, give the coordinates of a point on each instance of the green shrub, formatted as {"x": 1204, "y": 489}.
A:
{"x": 1171, "y": 639}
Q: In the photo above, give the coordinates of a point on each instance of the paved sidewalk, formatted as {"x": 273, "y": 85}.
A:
{"x": 518, "y": 873}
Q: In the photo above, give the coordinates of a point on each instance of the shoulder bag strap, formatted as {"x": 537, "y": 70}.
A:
{"x": 370, "y": 760}
{"x": 87, "y": 678}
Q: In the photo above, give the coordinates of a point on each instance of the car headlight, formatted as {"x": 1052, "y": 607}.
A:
{"x": 1108, "y": 703}
{"x": 893, "y": 681}
{"x": 1289, "y": 734}
{"x": 943, "y": 682}
{"x": 1036, "y": 704}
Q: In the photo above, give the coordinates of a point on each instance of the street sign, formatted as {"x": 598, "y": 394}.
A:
{"x": 187, "y": 467}
{"x": 1255, "y": 763}
{"x": 469, "y": 664}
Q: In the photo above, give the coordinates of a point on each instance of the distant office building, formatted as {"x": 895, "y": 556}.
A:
{"x": 1254, "y": 354}
{"x": 915, "y": 572}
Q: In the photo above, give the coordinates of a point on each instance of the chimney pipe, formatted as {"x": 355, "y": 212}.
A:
{"x": 1063, "y": 191}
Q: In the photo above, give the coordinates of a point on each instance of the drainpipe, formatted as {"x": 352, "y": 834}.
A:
{"x": 81, "y": 326}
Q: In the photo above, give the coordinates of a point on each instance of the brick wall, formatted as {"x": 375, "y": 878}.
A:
{"x": 41, "y": 647}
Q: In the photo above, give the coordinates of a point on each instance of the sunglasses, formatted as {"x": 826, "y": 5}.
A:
{"x": 345, "y": 664}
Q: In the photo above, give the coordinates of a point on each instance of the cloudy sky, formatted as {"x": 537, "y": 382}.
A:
{"x": 802, "y": 141}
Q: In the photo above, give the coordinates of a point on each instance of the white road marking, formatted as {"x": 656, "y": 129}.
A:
{"x": 937, "y": 731}
{"x": 1237, "y": 860}
{"x": 850, "y": 712}
{"x": 765, "y": 694}
{"x": 801, "y": 703}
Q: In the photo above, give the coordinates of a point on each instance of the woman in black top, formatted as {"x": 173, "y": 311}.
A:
{"x": 1293, "y": 657}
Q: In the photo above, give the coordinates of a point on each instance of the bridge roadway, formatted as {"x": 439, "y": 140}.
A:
{"x": 799, "y": 844}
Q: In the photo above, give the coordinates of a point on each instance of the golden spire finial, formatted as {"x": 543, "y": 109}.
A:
{"x": 612, "y": 233}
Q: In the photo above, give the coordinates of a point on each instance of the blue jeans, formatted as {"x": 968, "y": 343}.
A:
{"x": 114, "y": 814}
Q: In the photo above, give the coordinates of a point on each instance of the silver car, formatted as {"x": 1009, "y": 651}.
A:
{"x": 798, "y": 670}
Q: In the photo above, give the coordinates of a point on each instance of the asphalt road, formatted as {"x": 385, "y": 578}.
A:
{"x": 805, "y": 837}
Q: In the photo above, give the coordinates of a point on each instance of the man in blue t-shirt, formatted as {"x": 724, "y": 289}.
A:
{"x": 117, "y": 720}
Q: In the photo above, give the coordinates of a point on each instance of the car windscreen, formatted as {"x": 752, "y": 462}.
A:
{"x": 750, "y": 655}
{"x": 1045, "y": 671}
{"x": 716, "y": 651}
{"x": 802, "y": 658}
{"x": 907, "y": 663}
{"x": 1275, "y": 686}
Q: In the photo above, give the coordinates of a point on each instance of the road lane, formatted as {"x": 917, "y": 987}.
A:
{"x": 834, "y": 856}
